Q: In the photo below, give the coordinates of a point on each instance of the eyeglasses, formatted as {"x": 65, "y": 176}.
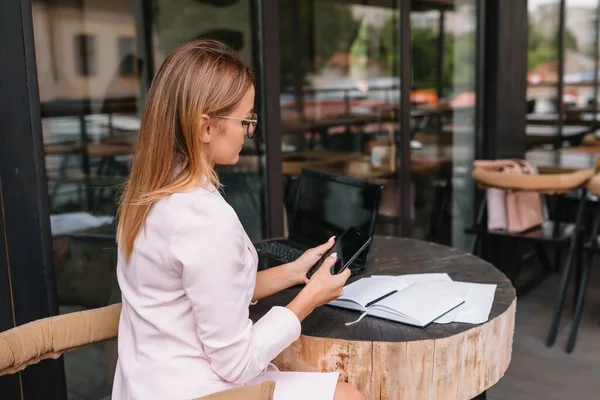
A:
{"x": 248, "y": 123}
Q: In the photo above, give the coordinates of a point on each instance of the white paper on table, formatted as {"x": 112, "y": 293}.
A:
{"x": 290, "y": 385}
{"x": 460, "y": 289}
{"x": 409, "y": 279}
{"x": 479, "y": 298}
{"x": 483, "y": 299}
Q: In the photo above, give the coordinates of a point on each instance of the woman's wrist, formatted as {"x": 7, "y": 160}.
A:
{"x": 294, "y": 274}
{"x": 303, "y": 304}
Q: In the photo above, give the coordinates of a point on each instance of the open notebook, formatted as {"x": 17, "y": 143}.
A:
{"x": 416, "y": 302}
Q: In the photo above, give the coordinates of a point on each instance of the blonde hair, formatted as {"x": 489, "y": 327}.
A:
{"x": 199, "y": 77}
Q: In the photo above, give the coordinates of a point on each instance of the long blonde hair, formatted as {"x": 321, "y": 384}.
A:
{"x": 199, "y": 77}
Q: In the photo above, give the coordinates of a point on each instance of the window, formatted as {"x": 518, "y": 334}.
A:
{"x": 85, "y": 55}
{"x": 127, "y": 67}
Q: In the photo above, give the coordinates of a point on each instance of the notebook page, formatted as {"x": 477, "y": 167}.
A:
{"x": 366, "y": 290}
{"x": 421, "y": 303}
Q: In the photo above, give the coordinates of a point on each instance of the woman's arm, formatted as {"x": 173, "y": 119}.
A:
{"x": 208, "y": 245}
{"x": 276, "y": 279}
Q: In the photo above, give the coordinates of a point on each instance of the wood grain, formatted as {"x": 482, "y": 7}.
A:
{"x": 388, "y": 360}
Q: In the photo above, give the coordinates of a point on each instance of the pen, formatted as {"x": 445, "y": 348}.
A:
{"x": 381, "y": 298}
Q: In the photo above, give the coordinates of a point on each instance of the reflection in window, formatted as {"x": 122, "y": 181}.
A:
{"x": 580, "y": 52}
{"x": 542, "y": 57}
{"x": 231, "y": 23}
{"x": 85, "y": 55}
{"x": 126, "y": 46}
{"x": 89, "y": 114}
{"x": 442, "y": 113}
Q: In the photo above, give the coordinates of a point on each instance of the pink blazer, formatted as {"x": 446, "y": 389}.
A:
{"x": 184, "y": 330}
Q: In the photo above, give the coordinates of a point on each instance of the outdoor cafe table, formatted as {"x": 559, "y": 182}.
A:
{"x": 389, "y": 360}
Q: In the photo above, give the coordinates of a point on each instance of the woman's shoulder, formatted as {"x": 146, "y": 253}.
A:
{"x": 198, "y": 203}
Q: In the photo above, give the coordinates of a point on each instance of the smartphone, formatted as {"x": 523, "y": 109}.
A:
{"x": 348, "y": 246}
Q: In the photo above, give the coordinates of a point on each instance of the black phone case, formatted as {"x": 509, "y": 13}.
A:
{"x": 349, "y": 262}
{"x": 329, "y": 252}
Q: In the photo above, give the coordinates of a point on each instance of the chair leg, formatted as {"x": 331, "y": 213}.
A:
{"x": 578, "y": 264}
{"x": 556, "y": 264}
{"x": 582, "y": 284}
{"x": 564, "y": 284}
{"x": 517, "y": 263}
{"x": 543, "y": 257}
{"x": 557, "y": 220}
{"x": 478, "y": 223}
{"x": 585, "y": 275}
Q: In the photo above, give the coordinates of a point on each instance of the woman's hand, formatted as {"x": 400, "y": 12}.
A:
{"x": 321, "y": 289}
{"x": 273, "y": 280}
{"x": 303, "y": 264}
{"x": 323, "y": 286}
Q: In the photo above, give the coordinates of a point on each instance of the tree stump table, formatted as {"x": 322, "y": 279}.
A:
{"x": 389, "y": 360}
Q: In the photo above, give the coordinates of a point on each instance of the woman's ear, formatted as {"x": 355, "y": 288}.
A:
{"x": 205, "y": 129}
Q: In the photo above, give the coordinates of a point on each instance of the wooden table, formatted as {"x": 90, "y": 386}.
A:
{"x": 388, "y": 360}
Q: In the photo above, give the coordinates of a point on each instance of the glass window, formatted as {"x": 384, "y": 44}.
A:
{"x": 90, "y": 82}
{"x": 229, "y": 22}
{"x": 542, "y": 73}
{"x": 90, "y": 113}
{"x": 548, "y": 133}
{"x": 340, "y": 93}
{"x": 89, "y": 90}
{"x": 443, "y": 119}
{"x": 340, "y": 97}
{"x": 580, "y": 75}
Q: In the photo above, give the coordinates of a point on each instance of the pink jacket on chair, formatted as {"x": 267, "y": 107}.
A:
{"x": 184, "y": 330}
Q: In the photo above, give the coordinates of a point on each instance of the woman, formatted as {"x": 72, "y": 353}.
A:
{"x": 186, "y": 268}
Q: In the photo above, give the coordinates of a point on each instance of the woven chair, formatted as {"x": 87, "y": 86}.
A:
{"x": 49, "y": 338}
{"x": 591, "y": 247}
{"x": 552, "y": 233}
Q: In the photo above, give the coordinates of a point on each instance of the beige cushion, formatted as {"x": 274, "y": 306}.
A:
{"x": 50, "y": 337}
{"x": 264, "y": 391}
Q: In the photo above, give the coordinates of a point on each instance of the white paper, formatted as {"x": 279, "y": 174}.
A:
{"x": 479, "y": 298}
{"x": 62, "y": 224}
{"x": 462, "y": 289}
{"x": 409, "y": 279}
{"x": 290, "y": 385}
